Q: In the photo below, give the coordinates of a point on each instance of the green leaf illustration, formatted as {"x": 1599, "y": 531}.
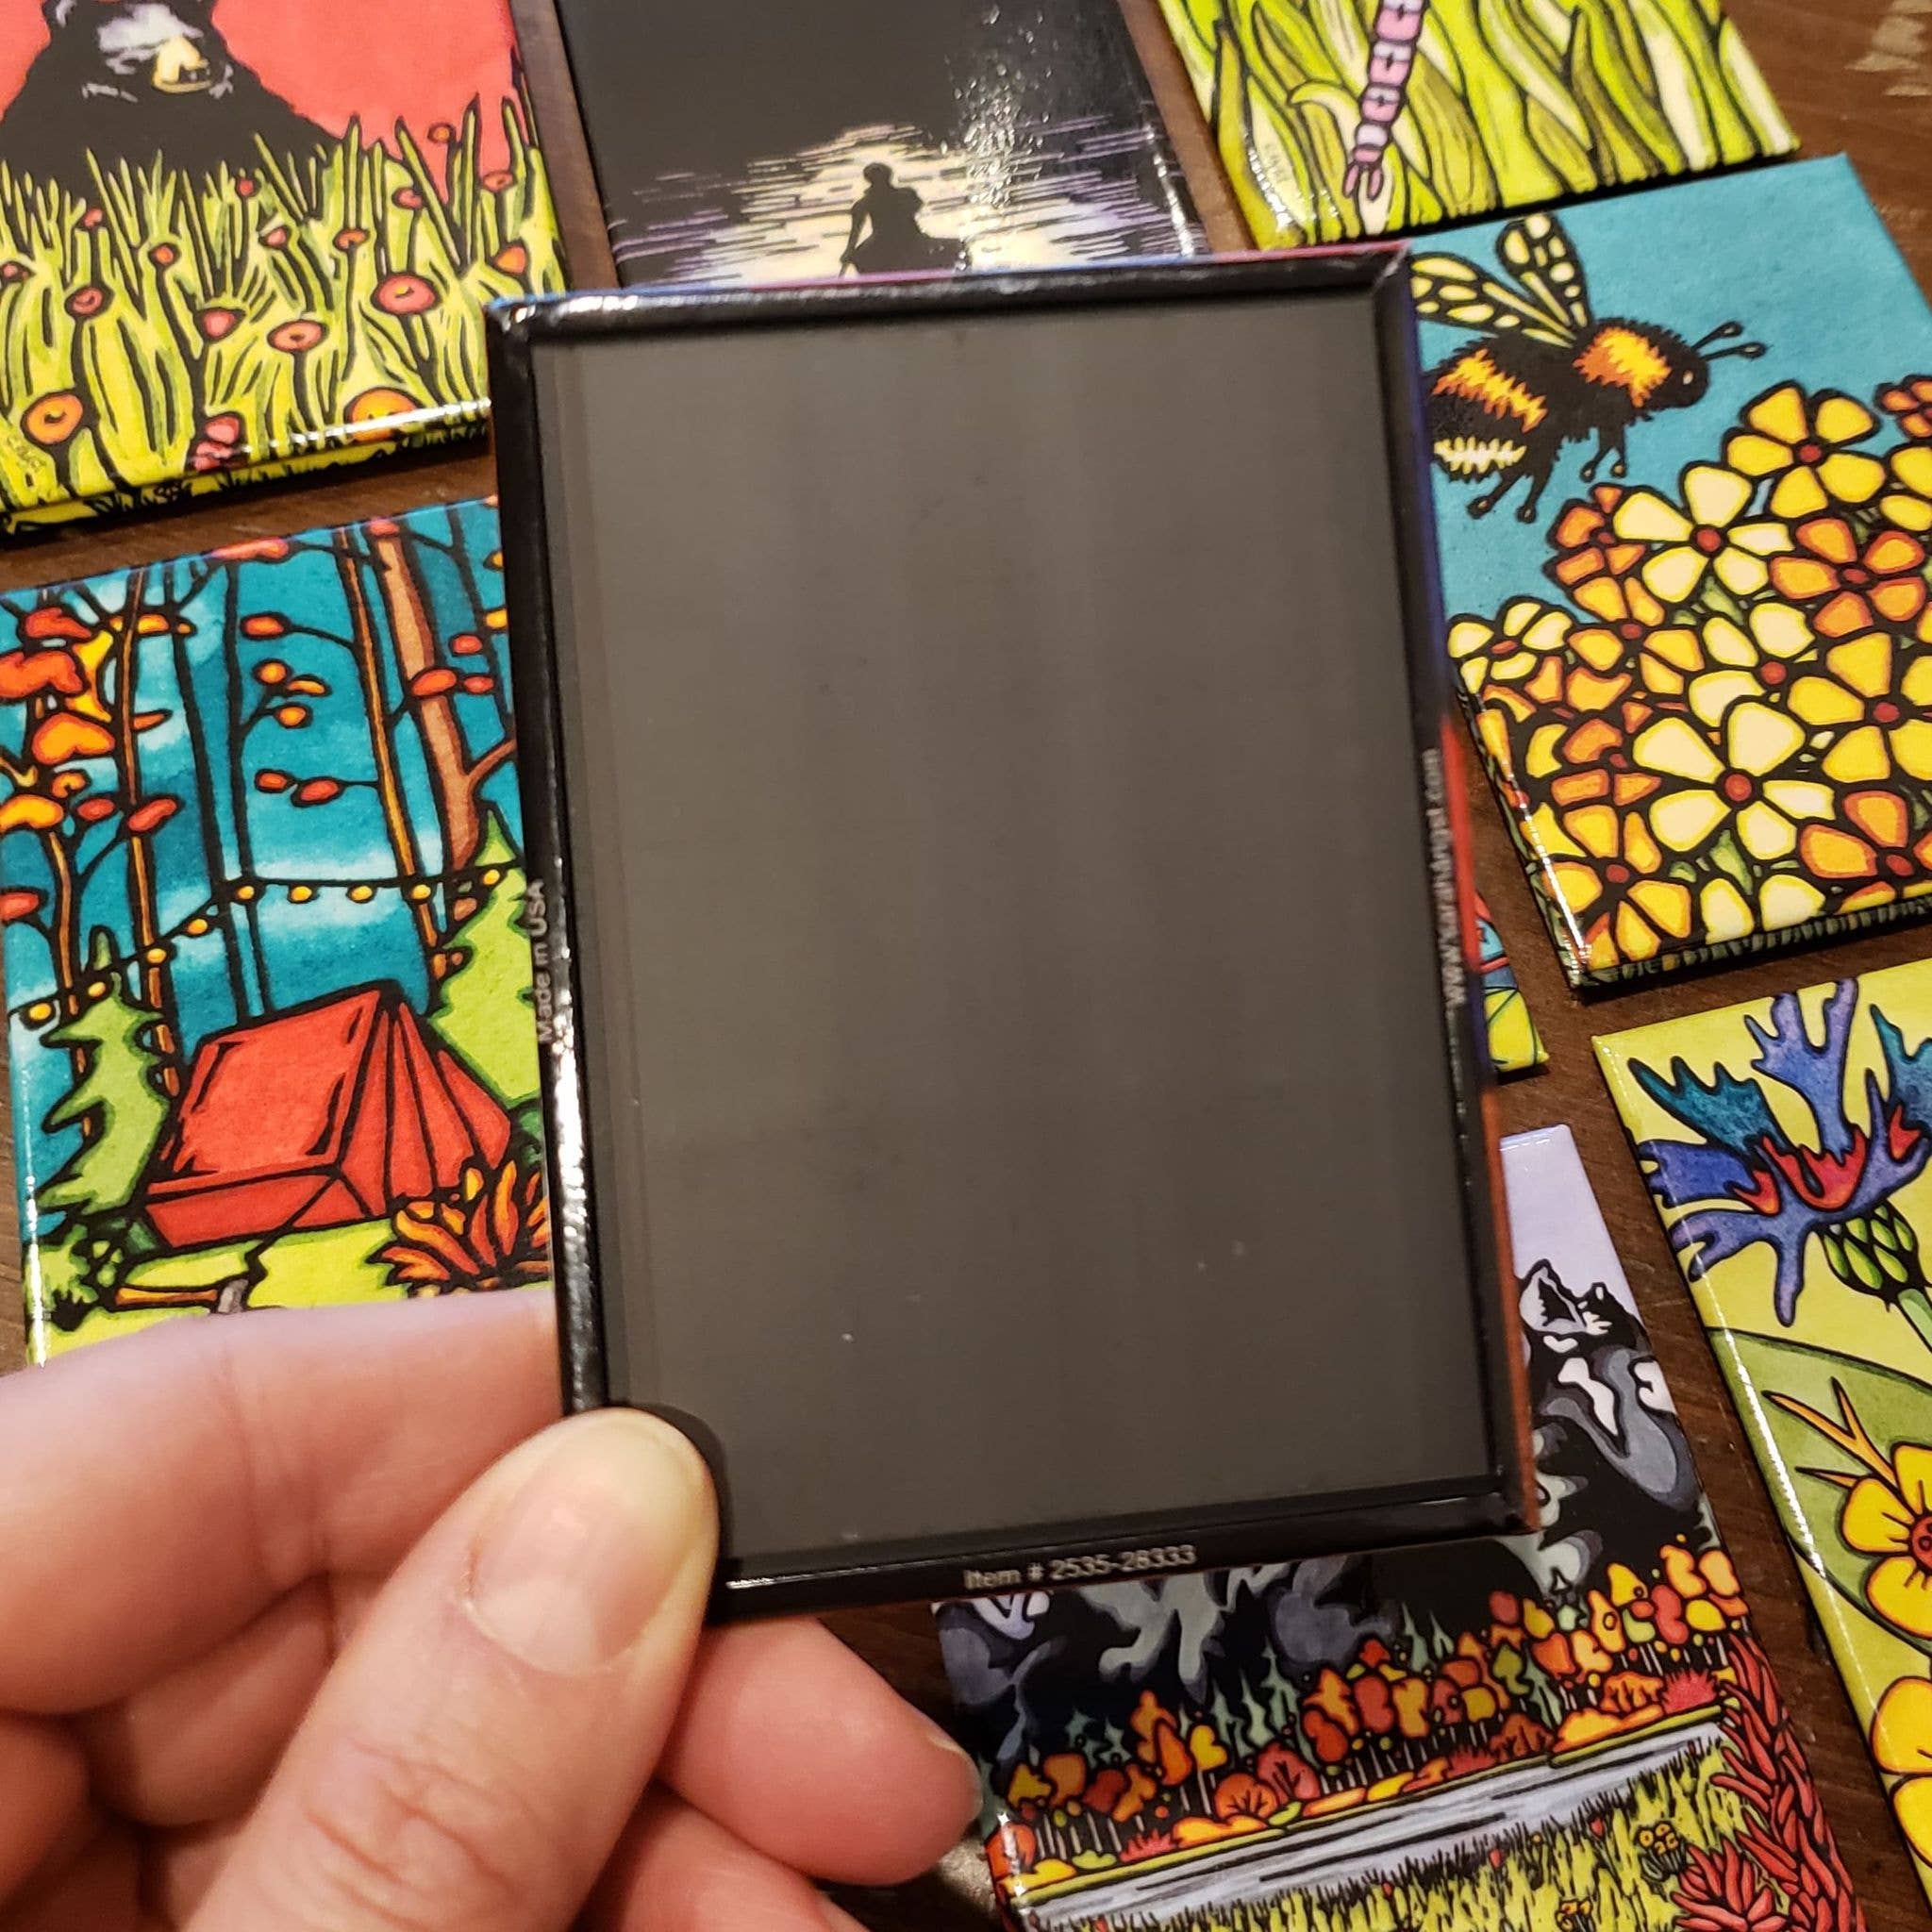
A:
{"x": 1893, "y": 1409}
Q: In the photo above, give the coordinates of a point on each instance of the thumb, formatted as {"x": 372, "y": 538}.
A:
{"x": 473, "y": 1756}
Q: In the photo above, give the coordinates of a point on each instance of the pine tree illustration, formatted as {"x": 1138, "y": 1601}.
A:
{"x": 119, "y": 1103}
{"x": 120, "y": 1094}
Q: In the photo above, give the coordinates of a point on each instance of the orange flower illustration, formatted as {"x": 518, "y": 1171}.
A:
{"x": 405, "y": 295}
{"x": 51, "y": 420}
{"x": 1851, "y": 588}
{"x": 298, "y": 337}
{"x": 1585, "y": 543}
{"x": 1910, "y": 403}
{"x": 1872, "y": 849}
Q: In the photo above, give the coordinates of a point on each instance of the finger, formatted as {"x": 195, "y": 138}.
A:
{"x": 42, "y": 1792}
{"x": 201, "y": 1742}
{"x": 781, "y": 1730}
{"x": 182, "y": 1866}
{"x": 98, "y": 1892}
{"x": 225, "y": 1461}
{"x": 677, "y": 1871}
{"x": 781, "y": 1724}
{"x": 473, "y": 1756}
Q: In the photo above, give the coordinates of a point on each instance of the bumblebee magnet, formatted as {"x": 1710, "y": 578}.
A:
{"x": 1682, "y": 450}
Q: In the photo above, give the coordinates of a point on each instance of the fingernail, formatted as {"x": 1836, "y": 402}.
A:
{"x": 963, "y": 1771}
{"x": 570, "y": 1567}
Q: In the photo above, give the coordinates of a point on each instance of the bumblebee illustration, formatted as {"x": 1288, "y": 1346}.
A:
{"x": 1544, "y": 370}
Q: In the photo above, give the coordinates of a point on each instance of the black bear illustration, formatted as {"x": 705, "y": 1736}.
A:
{"x": 135, "y": 80}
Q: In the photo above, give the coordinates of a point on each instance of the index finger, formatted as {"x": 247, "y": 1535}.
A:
{"x": 163, "y": 1490}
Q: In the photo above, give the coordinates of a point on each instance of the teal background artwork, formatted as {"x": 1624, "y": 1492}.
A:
{"x": 262, "y": 887}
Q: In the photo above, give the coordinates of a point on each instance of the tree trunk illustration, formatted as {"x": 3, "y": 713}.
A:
{"x": 389, "y": 784}
{"x": 455, "y": 779}
{"x": 238, "y": 785}
{"x": 63, "y": 910}
{"x": 413, "y": 633}
{"x": 156, "y": 984}
{"x": 480, "y": 615}
{"x": 213, "y": 858}
{"x": 63, "y": 932}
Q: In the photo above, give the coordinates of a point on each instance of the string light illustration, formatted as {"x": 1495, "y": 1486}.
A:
{"x": 464, "y": 885}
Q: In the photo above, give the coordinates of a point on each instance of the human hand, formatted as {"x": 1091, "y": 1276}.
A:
{"x": 287, "y": 1645}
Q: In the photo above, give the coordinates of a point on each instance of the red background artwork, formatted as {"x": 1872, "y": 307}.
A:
{"x": 418, "y": 61}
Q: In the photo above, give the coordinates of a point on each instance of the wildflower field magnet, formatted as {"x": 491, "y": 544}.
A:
{"x": 269, "y": 1022}
{"x": 1785, "y": 1144}
{"x": 240, "y": 243}
{"x": 1339, "y": 119}
{"x": 1576, "y": 1729}
{"x": 1683, "y": 489}
{"x": 870, "y": 137}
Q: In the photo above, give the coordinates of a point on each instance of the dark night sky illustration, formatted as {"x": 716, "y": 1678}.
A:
{"x": 672, "y": 88}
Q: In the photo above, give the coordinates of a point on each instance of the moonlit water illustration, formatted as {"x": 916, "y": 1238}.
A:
{"x": 870, "y": 137}
{"x": 1077, "y": 193}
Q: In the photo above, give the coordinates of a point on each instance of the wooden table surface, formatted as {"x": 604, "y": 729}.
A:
{"x": 1854, "y": 76}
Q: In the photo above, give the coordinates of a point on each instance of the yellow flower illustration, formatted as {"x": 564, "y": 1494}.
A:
{"x": 1669, "y": 658}
{"x": 1734, "y": 781}
{"x": 1878, "y": 699}
{"x": 1886, "y": 1514}
{"x": 1889, "y": 1515}
{"x": 1492, "y": 734}
{"x": 1910, "y": 503}
{"x": 1721, "y": 727}
{"x": 1782, "y": 900}
{"x": 1755, "y": 660}
{"x": 1495, "y": 660}
{"x": 1902, "y": 1744}
{"x": 1801, "y": 441}
{"x": 1607, "y": 880}
{"x": 1702, "y": 537}
{"x": 1631, "y": 630}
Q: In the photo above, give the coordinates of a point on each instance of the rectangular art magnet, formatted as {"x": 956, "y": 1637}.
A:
{"x": 1515, "y": 1045}
{"x": 1785, "y": 1143}
{"x": 1682, "y": 450}
{"x": 270, "y": 1037}
{"x": 243, "y": 239}
{"x": 923, "y": 887}
{"x": 1342, "y": 118}
{"x": 871, "y": 136}
{"x": 1574, "y": 1730}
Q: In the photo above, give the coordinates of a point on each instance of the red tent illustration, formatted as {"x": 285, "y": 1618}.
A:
{"x": 332, "y": 1113}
